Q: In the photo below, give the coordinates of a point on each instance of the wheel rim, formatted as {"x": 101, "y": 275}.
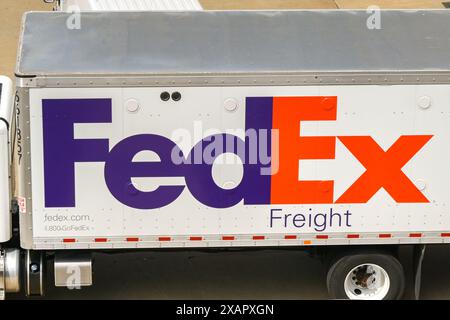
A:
{"x": 367, "y": 282}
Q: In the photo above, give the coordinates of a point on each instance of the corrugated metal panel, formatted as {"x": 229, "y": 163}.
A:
{"x": 208, "y": 42}
{"x": 131, "y": 5}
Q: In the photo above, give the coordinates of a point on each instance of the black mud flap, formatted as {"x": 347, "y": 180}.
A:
{"x": 418, "y": 255}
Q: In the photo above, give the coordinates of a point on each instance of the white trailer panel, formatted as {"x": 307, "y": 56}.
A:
{"x": 380, "y": 115}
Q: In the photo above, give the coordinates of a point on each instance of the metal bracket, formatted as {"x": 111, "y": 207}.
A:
{"x": 2, "y": 275}
{"x": 73, "y": 270}
{"x": 418, "y": 256}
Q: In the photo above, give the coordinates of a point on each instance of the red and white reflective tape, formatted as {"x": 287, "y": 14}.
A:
{"x": 246, "y": 240}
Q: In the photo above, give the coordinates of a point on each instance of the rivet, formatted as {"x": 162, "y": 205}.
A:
{"x": 421, "y": 184}
{"x": 229, "y": 185}
{"x": 424, "y": 102}
{"x": 132, "y": 105}
{"x": 230, "y": 104}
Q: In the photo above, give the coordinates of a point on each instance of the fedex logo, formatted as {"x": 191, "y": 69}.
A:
{"x": 263, "y": 114}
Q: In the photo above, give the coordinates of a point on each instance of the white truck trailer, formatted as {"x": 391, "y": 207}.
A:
{"x": 175, "y": 130}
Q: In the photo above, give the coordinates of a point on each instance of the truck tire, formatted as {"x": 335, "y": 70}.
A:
{"x": 373, "y": 276}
